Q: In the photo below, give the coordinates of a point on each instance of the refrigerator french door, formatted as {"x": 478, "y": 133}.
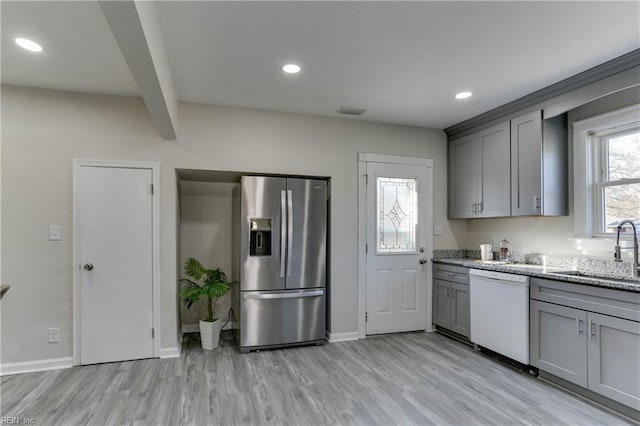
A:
{"x": 282, "y": 267}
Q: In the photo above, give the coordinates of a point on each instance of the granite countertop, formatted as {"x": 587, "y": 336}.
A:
{"x": 626, "y": 284}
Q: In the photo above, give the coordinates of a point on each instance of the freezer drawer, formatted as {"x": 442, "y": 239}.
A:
{"x": 281, "y": 317}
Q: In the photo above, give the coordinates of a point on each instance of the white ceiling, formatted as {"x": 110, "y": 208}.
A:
{"x": 79, "y": 51}
{"x": 402, "y": 61}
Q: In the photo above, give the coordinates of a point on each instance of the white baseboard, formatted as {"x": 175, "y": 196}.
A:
{"x": 170, "y": 352}
{"x": 195, "y": 328}
{"x": 33, "y": 366}
{"x": 190, "y": 328}
{"x": 341, "y": 337}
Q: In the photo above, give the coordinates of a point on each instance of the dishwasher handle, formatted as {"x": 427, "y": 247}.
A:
{"x": 513, "y": 279}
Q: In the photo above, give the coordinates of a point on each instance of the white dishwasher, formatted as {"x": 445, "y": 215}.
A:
{"x": 500, "y": 313}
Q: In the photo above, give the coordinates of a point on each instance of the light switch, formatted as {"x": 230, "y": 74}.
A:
{"x": 55, "y": 233}
{"x": 437, "y": 230}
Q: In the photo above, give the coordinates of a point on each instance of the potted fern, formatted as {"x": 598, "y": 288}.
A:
{"x": 209, "y": 284}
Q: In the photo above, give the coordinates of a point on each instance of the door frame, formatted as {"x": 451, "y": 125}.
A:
{"x": 363, "y": 159}
{"x": 155, "y": 219}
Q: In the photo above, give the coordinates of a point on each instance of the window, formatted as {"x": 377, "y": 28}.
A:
{"x": 617, "y": 185}
{"x": 606, "y": 172}
{"x": 397, "y": 215}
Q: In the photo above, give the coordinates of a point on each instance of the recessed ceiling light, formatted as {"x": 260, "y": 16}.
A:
{"x": 291, "y": 69}
{"x": 29, "y": 45}
{"x": 463, "y": 95}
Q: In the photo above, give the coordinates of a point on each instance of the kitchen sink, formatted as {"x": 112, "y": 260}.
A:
{"x": 596, "y": 277}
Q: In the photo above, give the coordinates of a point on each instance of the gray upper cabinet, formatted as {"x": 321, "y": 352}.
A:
{"x": 494, "y": 198}
{"x": 462, "y": 177}
{"x": 538, "y": 165}
{"x": 479, "y": 174}
{"x": 515, "y": 168}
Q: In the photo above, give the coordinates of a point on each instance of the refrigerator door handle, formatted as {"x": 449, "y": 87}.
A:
{"x": 289, "y": 230}
{"x": 296, "y": 295}
{"x": 283, "y": 231}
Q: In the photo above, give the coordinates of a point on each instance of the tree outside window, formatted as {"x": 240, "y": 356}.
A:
{"x": 618, "y": 191}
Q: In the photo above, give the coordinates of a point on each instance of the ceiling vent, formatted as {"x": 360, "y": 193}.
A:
{"x": 350, "y": 110}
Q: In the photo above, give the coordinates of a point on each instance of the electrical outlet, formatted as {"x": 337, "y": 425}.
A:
{"x": 437, "y": 230}
{"x": 54, "y": 335}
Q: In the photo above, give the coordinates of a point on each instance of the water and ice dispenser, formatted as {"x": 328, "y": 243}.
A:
{"x": 260, "y": 240}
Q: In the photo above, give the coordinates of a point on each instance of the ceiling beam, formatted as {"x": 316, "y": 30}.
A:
{"x": 136, "y": 28}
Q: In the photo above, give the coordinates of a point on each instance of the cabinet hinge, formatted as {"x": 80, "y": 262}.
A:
{"x": 366, "y": 179}
{"x": 366, "y": 248}
{"x": 366, "y": 316}
{"x": 153, "y": 333}
{"x": 151, "y": 189}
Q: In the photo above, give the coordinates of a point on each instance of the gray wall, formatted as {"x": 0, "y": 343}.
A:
{"x": 43, "y": 131}
{"x": 206, "y": 235}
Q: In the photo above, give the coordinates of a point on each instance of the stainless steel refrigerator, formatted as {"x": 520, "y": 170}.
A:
{"x": 280, "y": 261}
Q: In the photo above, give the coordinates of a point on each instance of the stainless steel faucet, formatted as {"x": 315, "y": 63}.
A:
{"x": 636, "y": 260}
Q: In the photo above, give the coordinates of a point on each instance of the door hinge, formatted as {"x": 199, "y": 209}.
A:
{"x": 151, "y": 189}
{"x": 153, "y": 333}
{"x": 366, "y": 316}
{"x": 366, "y": 248}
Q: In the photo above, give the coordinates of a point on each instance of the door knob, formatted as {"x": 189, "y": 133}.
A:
{"x": 88, "y": 266}
{"x": 423, "y": 261}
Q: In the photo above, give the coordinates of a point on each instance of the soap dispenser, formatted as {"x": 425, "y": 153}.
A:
{"x": 505, "y": 250}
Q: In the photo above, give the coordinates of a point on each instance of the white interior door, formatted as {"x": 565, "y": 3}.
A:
{"x": 115, "y": 253}
{"x": 396, "y": 247}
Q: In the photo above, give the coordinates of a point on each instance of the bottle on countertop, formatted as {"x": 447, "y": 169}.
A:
{"x": 505, "y": 250}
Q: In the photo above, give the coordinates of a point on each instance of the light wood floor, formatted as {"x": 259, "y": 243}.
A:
{"x": 414, "y": 378}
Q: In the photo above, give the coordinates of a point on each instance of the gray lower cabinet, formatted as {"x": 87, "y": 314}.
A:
{"x": 451, "y": 299}
{"x": 614, "y": 358}
{"x": 599, "y": 351}
{"x": 558, "y": 341}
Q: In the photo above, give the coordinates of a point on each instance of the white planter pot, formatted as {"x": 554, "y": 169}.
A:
{"x": 210, "y": 334}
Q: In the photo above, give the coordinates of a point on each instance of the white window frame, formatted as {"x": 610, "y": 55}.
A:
{"x": 601, "y": 172}
{"x": 587, "y": 166}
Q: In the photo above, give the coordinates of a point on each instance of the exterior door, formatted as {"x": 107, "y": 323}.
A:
{"x": 115, "y": 252}
{"x": 396, "y": 248}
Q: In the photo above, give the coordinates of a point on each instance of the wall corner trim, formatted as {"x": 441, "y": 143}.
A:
{"x": 341, "y": 337}
{"x": 33, "y": 366}
{"x": 170, "y": 353}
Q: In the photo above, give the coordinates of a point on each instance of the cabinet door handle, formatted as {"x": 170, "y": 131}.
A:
{"x": 592, "y": 329}
{"x": 480, "y": 209}
{"x": 448, "y": 292}
{"x": 578, "y": 325}
{"x": 473, "y": 208}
